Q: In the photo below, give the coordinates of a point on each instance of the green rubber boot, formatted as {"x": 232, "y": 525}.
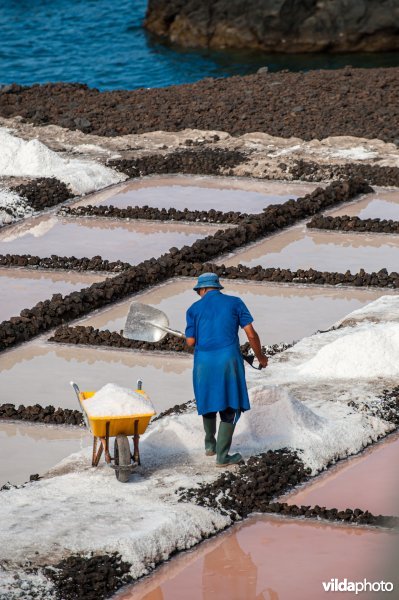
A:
{"x": 210, "y": 440}
{"x": 223, "y": 443}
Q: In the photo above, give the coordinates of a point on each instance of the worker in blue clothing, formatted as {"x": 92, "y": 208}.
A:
{"x": 219, "y": 375}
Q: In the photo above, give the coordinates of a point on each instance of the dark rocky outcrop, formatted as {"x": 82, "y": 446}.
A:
{"x": 315, "y": 104}
{"x": 278, "y": 25}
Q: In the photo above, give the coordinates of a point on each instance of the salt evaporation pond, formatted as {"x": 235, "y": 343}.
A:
{"x": 39, "y": 373}
{"x": 251, "y": 562}
{"x": 201, "y": 193}
{"x": 381, "y": 204}
{"x": 282, "y": 313}
{"x": 22, "y": 288}
{"x": 368, "y": 481}
{"x": 112, "y": 239}
{"x": 301, "y": 248}
{"x": 28, "y": 448}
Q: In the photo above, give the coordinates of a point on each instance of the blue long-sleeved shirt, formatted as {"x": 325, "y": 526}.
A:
{"x": 214, "y": 320}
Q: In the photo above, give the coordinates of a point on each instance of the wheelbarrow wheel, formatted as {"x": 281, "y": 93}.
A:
{"x": 122, "y": 458}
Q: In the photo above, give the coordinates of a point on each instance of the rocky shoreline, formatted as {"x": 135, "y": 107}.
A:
{"x": 350, "y": 102}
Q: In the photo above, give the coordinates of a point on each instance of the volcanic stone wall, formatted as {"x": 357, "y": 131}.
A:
{"x": 195, "y": 161}
{"x": 345, "y": 223}
{"x": 155, "y": 214}
{"x": 68, "y": 263}
{"x": 381, "y": 279}
{"x": 59, "y": 310}
{"x": 374, "y": 174}
{"x": 41, "y": 414}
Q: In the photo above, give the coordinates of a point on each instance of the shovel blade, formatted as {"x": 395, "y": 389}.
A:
{"x": 141, "y": 323}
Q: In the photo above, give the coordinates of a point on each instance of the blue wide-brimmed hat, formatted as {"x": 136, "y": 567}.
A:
{"x": 208, "y": 280}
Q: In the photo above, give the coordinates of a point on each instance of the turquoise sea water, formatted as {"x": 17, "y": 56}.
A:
{"x": 102, "y": 43}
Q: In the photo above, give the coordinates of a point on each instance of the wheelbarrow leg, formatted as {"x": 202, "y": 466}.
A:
{"x": 106, "y": 443}
{"x": 136, "y": 438}
{"x": 96, "y": 453}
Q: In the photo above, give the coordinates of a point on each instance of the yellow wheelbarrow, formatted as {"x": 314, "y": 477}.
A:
{"x": 123, "y": 462}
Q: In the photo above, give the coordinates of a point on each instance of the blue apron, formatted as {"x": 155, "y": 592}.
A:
{"x": 219, "y": 380}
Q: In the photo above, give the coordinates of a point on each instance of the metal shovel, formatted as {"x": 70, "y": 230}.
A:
{"x": 145, "y": 323}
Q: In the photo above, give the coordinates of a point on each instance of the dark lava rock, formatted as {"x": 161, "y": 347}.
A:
{"x": 41, "y": 414}
{"x": 177, "y": 409}
{"x": 374, "y": 174}
{"x": 357, "y": 102}
{"x": 88, "y": 336}
{"x": 44, "y": 192}
{"x": 285, "y": 26}
{"x": 252, "y": 486}
{"x": 346, "y": 223}
{"x": 196, "y": 161}
{"x": 154, "y": 214}
{"x": 89, "y": 578}
{"x": 301, "y": 276}
{"x": 68, "y": 263}
{"x": 387, "y": 407}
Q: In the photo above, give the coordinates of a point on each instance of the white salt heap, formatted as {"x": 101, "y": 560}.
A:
{"x": 113, "y": 401}
{"x": 371, "y": 352}
{"x": 33, "y": 159}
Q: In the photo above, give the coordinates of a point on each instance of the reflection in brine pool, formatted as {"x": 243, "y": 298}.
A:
{"x": 267, "y": 558}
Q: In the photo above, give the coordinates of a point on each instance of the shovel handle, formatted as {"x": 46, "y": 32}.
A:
{"x": 250, "y": 360}
{"x": 178, "y": 334}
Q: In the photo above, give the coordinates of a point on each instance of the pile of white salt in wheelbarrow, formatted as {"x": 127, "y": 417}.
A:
{"x": 115, "y": 401}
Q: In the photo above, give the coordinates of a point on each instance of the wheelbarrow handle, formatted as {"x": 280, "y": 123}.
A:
{"x": 77, "y": 392}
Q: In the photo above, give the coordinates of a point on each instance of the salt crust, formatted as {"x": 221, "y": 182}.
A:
{"x": 113, "y": 400}
{"x": 81, "y": 509}
{"x": 12, "y": 207}
{"x": 33, "y": 159}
